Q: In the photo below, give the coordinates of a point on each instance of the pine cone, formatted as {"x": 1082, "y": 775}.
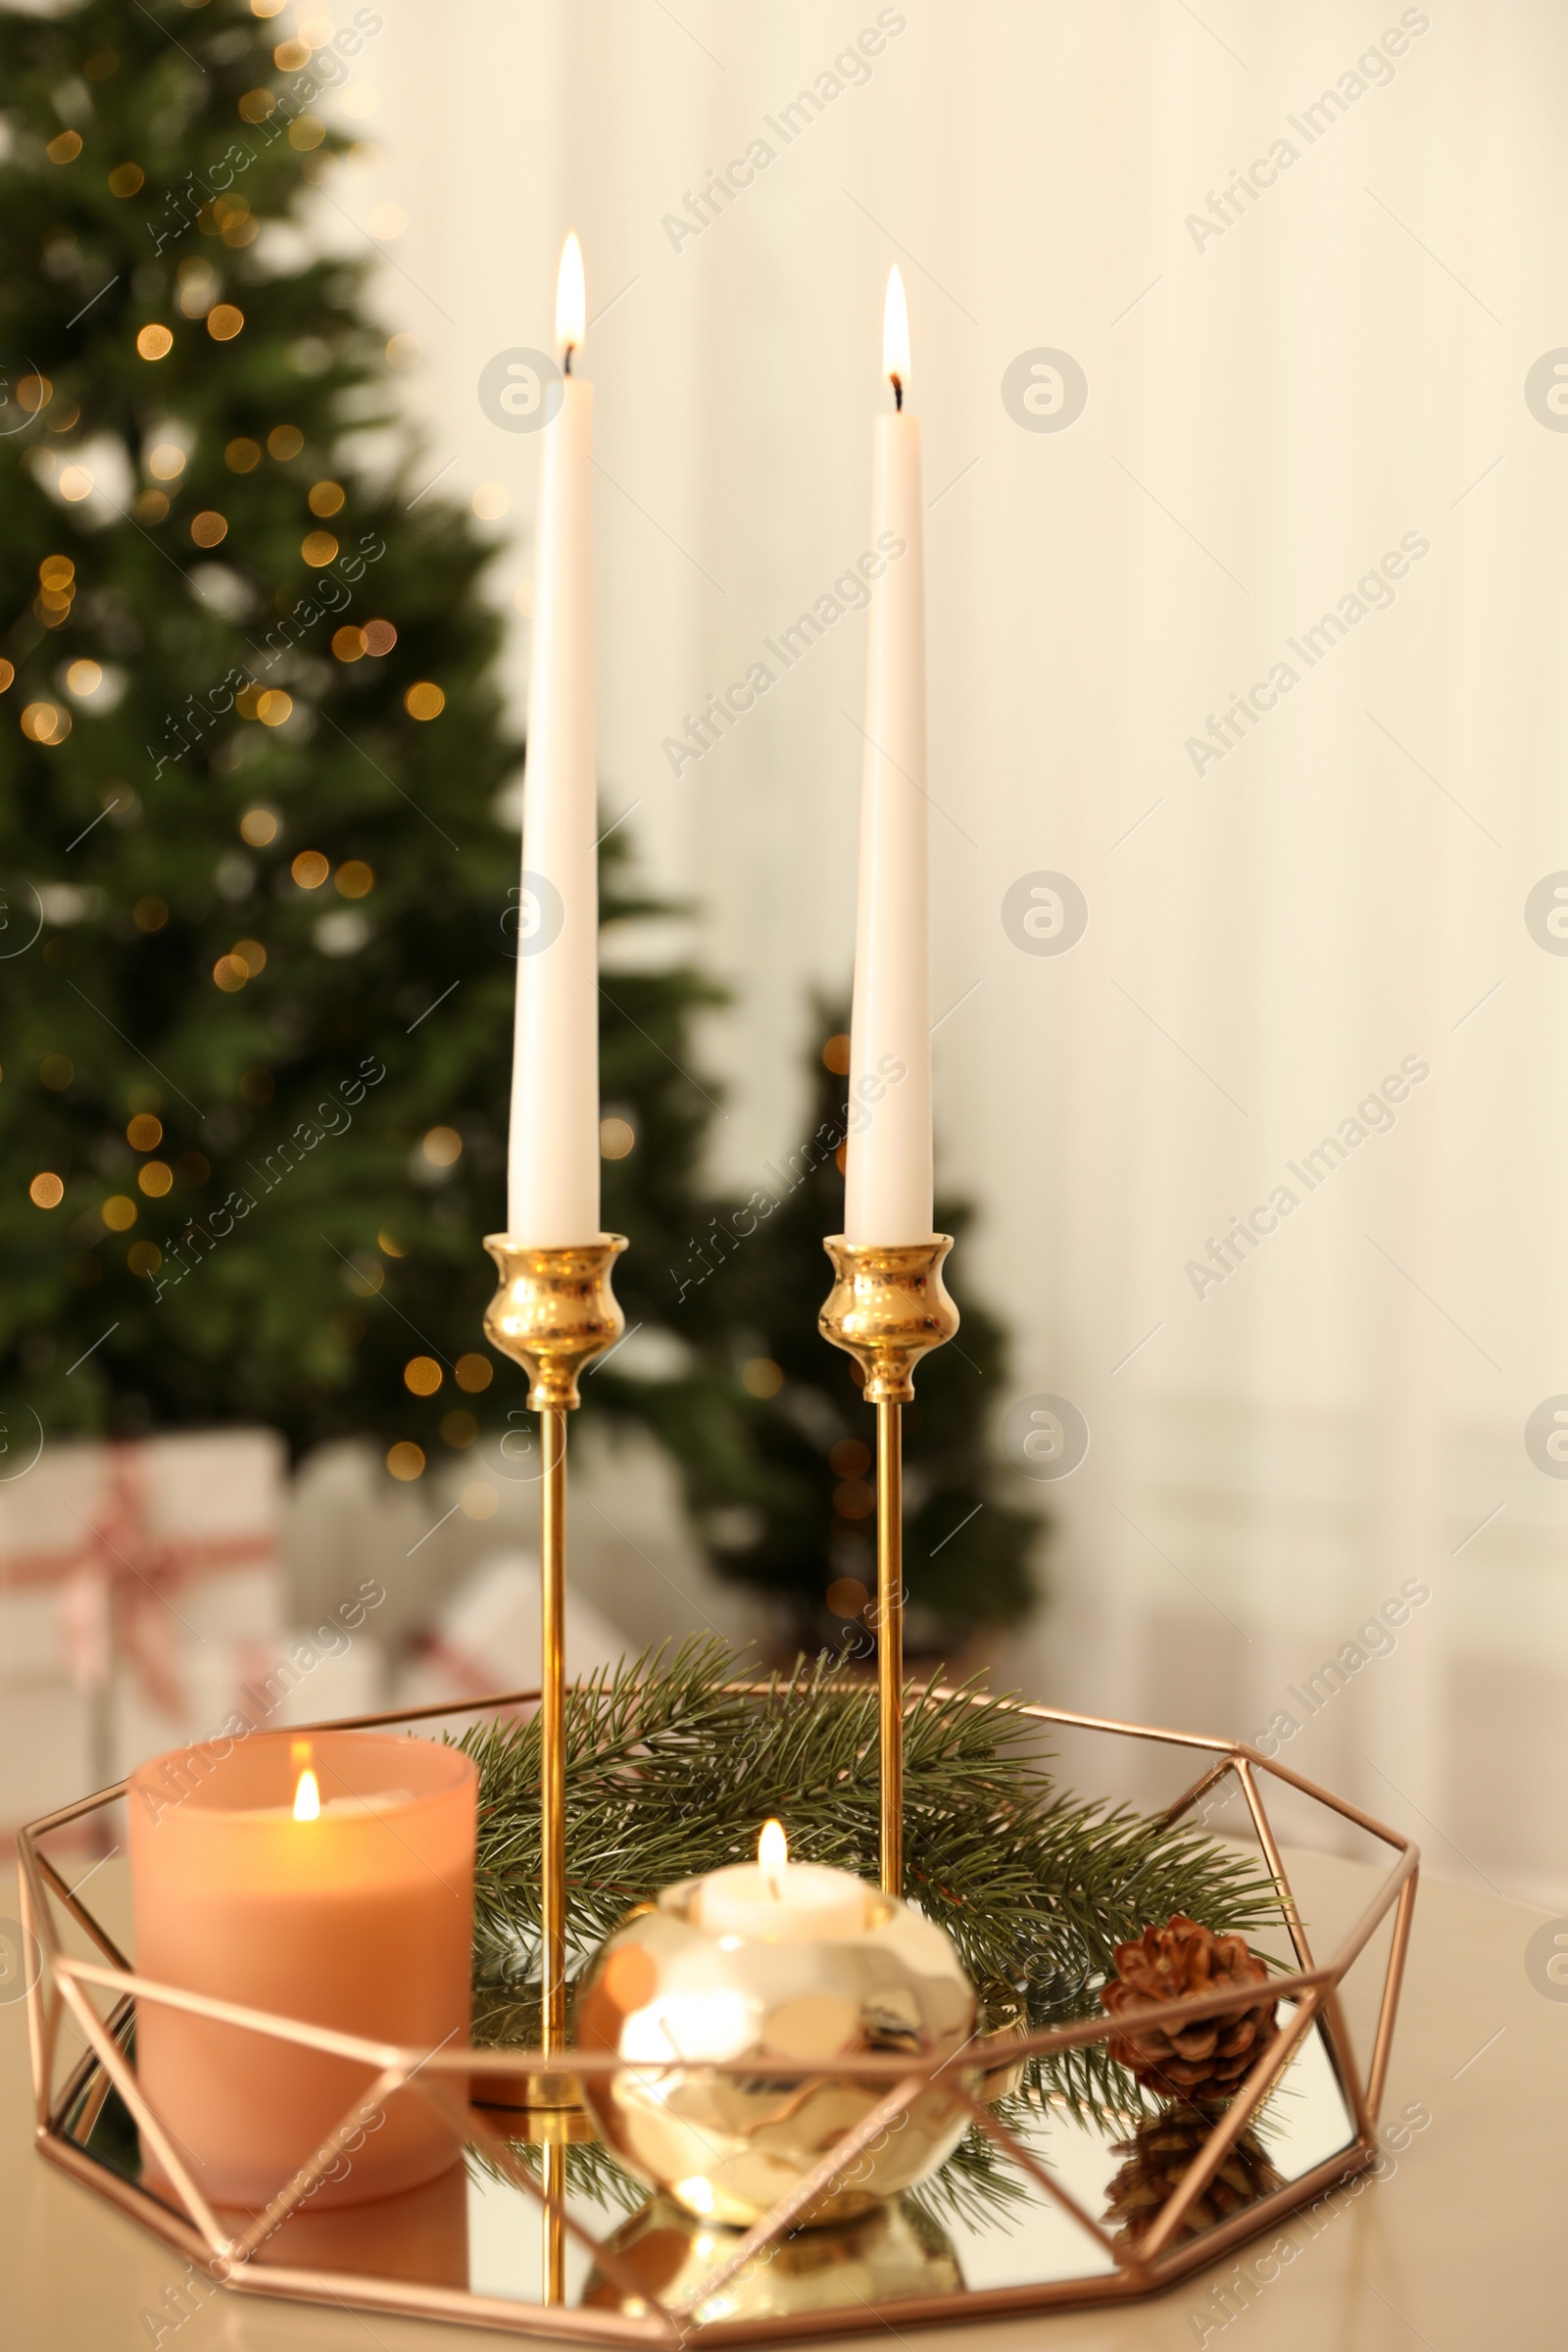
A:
{"x": 1160, "y": 2152}
{"x": 1171, "y": 1964}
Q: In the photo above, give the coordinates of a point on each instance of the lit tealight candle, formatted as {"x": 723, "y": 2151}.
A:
{"x": 775, "y": 1900}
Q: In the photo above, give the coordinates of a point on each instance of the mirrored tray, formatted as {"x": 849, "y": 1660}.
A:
{"x": 1048, "y": 2200}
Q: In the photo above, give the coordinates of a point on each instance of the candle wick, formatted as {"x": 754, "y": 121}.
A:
{"x": 565, "y": 359}
{"x": 897, "y": 393}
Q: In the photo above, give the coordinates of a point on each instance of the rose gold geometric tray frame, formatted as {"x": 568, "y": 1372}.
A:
{"x": 443, "y": 2077}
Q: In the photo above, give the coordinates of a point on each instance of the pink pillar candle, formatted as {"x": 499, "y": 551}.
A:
{"x": 359, "y": 1917}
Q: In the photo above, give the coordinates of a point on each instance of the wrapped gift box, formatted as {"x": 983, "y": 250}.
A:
{"x": 139, "y": 1594}
{"x": 488, "y": 1638}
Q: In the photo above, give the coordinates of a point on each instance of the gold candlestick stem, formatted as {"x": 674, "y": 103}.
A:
{"x": 553, "y": 1824}
{"x": 554, "y": 2248}
{"x": 553, "y": 1727}
{"x": 888, "y": 1307}
{"x": 890, "y": 1636}
{"x": 554, "y": 1313}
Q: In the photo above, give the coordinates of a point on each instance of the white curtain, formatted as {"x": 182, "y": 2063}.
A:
{"x": 1333, "y": 378}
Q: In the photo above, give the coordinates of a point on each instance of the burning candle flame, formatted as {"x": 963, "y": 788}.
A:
{"x": 306, "y": 1798}
{"x": 896, "y": 333}
{"x": 572, "y": 300}
{"x": 773, "y": 1850}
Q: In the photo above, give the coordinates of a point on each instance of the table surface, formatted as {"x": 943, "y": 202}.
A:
{"x": 1461, "y": 2245}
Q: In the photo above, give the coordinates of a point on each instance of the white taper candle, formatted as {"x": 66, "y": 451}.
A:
{"x": 553, "y": 1166}
{"x": 888, "y": 1162}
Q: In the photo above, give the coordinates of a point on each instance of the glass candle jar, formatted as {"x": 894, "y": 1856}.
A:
{"x": 326, "y": 1878}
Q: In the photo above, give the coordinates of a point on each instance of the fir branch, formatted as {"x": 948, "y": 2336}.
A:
{"x": 979, "y": 2188}
{"x": 672, "y": 1763}
{"x": 672, "y": 1767}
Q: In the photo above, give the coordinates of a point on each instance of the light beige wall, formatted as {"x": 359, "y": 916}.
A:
{"x": 1266, "y": 417}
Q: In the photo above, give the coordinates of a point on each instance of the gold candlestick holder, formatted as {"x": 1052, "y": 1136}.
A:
{"x": 554, "y": 1313}
{"x": 889, "y": 1307}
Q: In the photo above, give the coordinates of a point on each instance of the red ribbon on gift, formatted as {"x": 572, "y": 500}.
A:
{"x": 116, "y": 1586}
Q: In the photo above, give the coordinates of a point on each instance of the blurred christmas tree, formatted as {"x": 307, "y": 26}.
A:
{"x": 260, "y": 917}
{"x": 779, "y": 1465}
{"x": 259, "y": 914}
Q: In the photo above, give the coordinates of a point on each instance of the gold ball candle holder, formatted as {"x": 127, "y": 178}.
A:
{"x": 890, "y": 2255}
{"x": 889, "y": 1307}
{"x": 728, "y": 2141}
